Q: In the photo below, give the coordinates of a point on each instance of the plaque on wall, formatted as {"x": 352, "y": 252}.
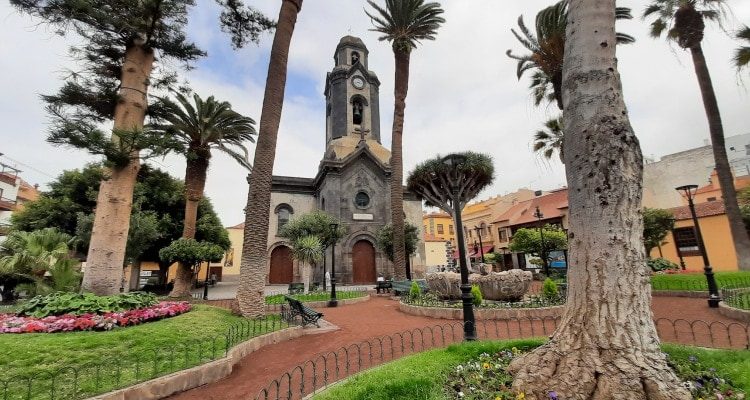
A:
{"x": 362, "y": 217}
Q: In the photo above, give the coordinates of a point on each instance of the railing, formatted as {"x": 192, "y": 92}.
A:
{"x": 736, "y": 298}
{"x": 324, "y": 369}
{"x": 83, "y": 381}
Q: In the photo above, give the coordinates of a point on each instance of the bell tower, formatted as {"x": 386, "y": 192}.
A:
{"x": 352, "y": 95}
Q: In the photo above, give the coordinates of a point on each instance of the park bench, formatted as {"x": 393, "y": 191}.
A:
{"x": 307, "y": 314}
{"x": 401, "y": 288}
{"x": 296, "y": 288}
{"x": 385, "y": 286}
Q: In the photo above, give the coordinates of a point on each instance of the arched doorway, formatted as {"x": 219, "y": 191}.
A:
{"x": 363, "y": 262}
{"x": 281, "y": 266}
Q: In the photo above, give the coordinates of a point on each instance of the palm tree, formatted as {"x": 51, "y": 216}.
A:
{"x": 404, "y": 23}
{"x": 742, "y": 54}
{"x": 198, "y": 129}
{"x": 684, "y": 22}
{"x": 254, "y": 250}
{"x": 41, "y": 259}
{"x": 308, "y": 250}
{"x": 551, "y": 139}
{"x": 547, "y": 48}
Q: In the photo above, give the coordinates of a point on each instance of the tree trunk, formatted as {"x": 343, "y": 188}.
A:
{"x": 109, "y": 235}
{"x": 397, "y": 165}
{"x": 195, "y": 181}
{"x": 606, "y": 346}
{"x": 254, "y": 251}
{"x": 723, "y": 169}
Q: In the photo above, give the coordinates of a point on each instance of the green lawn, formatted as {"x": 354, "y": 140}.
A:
{"x": 697, "y": 281}
{"x": 119, "y": 358}
{"x": 421, "y": 376}
{"x": 315, "y": 296}
{"x": 738, "y": 299}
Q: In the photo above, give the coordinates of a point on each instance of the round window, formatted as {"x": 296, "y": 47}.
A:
{"x": 362, "y": 199}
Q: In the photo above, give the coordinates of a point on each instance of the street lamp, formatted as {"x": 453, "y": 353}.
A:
{"x": 713, "y": 290}
{"x": 205, "y": 284}
{"x": 453, "y": 162}
{"x": 542, "y": 252}
{"x": 333, "y": 302}
{"x": 481, "y": 246}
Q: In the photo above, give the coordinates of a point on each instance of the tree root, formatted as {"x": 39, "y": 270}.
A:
{"x": 591, "y": 373}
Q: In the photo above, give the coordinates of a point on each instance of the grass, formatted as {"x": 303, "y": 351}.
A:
{"x": 697, "y": 281}
{"x": 315, "y": 296}
{"x": 108, "y": 360}
{"x": 739, "y": 298}
{"x": 422, "y": 376}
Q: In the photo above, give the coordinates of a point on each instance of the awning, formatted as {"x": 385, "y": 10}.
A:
{"x": 485, "y": 250}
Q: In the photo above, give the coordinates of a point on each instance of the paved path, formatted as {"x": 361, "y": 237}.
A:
{"x": 379, "y": 317}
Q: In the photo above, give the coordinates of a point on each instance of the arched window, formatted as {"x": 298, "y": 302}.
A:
{"x": 355, "y": 57}
{"x": 357, "y": 111}
{"x": 283, "y": 212}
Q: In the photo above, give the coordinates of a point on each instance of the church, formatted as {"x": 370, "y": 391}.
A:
{"x": 352, "y": 182}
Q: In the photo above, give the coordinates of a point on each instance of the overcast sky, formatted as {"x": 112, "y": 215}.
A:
{"x": 463, "y": 91}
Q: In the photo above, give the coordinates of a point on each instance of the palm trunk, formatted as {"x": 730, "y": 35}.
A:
{"x": 195, "y": 182}
{"x": 606, "y": 346}
{"x": 109, "y": 235}
{"x": 723, "y": 169}
{"x": 397, "y": 167}
{"x": 254, "y": 251}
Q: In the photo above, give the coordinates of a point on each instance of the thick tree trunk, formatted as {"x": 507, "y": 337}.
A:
{"x": 723, "y": 169}
{"x": 606, "y": 346}
{"x": 397, "y": 165}
{"x": 254, "y": 251}
{"x": 109, "y": 235}
{"x": 195, "y": 181}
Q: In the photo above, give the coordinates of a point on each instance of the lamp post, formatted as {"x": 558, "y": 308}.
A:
{"x": 205, "y": 284}
{"x": 333, "y": 302}
{"x": 713, "y": 290}
{"x": 481, "y": 246}
{"x": 470, "y": 333}
{"x": 542, "y": 252}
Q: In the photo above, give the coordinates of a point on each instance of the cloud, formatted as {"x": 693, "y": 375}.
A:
{"x": 463, "y": 91}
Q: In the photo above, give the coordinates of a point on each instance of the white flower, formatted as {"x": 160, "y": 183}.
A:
{"x": 460, "y": 394}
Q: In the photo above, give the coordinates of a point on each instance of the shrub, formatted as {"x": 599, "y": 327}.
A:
{"x": 415, "y": 291}
{"x": 62, "y": 303}
{"x": 549, "y": 289}
{"x": 661, "y": 264}
{"x": 476, "y": 295}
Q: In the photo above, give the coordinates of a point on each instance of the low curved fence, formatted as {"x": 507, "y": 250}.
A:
{"x": 324, "y": 369}
{"x": 83, "y": 381}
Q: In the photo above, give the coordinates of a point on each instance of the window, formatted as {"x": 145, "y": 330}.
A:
{"x": 711, "y": 199}
{"x": 357, "y": 111}
{"x": 502, "y": 234}
{"x": 686, "y": 242}
{"x": 283, "y": 213}
{"x": 440, "y": 229}
{"x": 450, "y": 230}
{"x": 747, "y": 149}
{"x": 355, "y": 57}
{"x": 362, "y": 200}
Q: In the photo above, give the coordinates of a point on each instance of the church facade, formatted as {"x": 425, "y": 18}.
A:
{"x": 352, "y": 182}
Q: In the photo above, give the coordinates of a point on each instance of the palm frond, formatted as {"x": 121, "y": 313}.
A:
{"x": 742, "y": 54}
{"x": 405, "y": 23}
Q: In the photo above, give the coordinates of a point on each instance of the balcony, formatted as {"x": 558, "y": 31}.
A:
{"x": 7, "y": 204}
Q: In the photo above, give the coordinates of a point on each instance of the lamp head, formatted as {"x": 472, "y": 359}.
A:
{"x": 538, "y": 213}
{"x": 689, "y": 190}
{"x": 454, "y": 160}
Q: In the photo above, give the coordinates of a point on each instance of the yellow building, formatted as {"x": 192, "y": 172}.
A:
{"x": 712, "y": 191}
{"x": 681, "y": 246}
{"x": 438, "y": 225}
{"x": 435, "y": 251}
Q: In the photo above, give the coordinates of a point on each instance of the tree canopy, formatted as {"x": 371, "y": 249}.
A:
{"x": 529, "y": 241}
{"x": 384, "y": 239}
{"x": 657, "y": 223}
{"x": 191, "y": 252}
{"x": 71, "y": 198}
{"x": 405, "y": 23}
{"x": 434, "y": 179}
{"x": 316, "y": 223}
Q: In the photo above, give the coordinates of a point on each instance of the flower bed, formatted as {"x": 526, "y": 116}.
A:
{"x": 11, "y": 323}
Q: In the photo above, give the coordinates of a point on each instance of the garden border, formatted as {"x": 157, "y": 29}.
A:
{"x": 200, "y": 375}
{"x": 734, "y": 313}
{"x": 680, "y": 293}
{"x": 482, "y": 314}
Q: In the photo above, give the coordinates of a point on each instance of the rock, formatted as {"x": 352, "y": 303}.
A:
{"x": 503, "y": 286}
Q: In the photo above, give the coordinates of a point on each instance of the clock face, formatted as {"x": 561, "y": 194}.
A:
{"x": 358, "y": 82}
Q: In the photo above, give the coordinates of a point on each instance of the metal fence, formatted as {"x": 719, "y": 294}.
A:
{"x": 737, "y": 298}
{"x": 535, "y": 301}
{"x": 83, "y": 381}
{"x": 324, "y": 369}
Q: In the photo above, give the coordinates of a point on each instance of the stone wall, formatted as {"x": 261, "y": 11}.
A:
{"x": 487, "y": 313}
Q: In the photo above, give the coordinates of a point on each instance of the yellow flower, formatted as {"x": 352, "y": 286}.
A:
{"x": 514, "y": 350}
{"x": 520, "y": 395}
{"x": 498, "y": 398}
{"x": 486, "y": 365}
